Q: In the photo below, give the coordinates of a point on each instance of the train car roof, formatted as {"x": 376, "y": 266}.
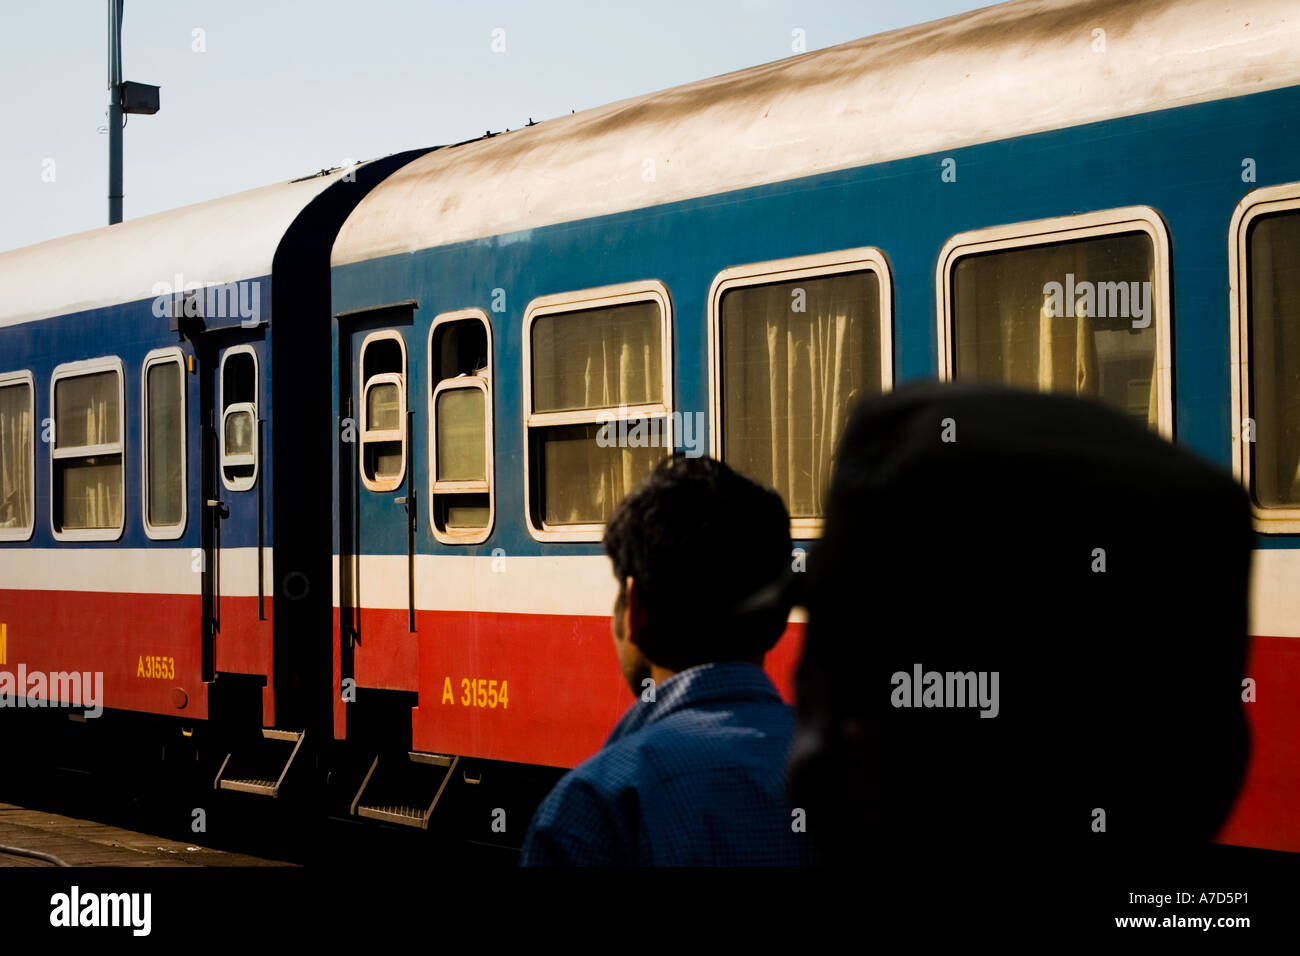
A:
{"x": 1007, "y": 70}
{"x": 221, "y": 240}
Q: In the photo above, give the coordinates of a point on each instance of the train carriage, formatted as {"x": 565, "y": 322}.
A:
{"x": 1038, "y": 193}
{"x": 155, "y": 523}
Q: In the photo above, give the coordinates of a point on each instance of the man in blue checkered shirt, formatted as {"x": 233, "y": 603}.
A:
{"x": 694, "y": 773}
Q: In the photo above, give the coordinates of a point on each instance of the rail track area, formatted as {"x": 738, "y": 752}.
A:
{"x": 42, "y": 839}
{"x": 89, "y": 815}
{"x": 81, "y": 824}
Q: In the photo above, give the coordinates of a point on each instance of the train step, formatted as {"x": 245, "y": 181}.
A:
{"x": 262, "y": 768}
{"x": 397, "y": 789}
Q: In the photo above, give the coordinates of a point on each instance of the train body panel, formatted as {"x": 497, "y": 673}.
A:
{"x": 516, "y": 652}
{"x": 144, "y": 554}
{"x": 131, "y": 605}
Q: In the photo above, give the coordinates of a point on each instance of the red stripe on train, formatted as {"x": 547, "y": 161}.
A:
{"x": 564, "y": 693}
{"x": 562, "y": 687}
{"x": 562, "y": 684}
{"x": 1267, "y": 811}
{"x": 118, "y": 634}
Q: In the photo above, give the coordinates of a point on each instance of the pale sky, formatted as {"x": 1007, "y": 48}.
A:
{"x": 285, "y": 88}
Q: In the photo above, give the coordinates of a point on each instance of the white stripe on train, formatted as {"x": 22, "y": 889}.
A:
{"x": 129, "y": 570}
{"x": 577, "y": 584}
{"x": 583, "y": 584}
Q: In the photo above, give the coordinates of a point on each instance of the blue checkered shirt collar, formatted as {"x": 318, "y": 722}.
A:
{"x": 705, "y": 683}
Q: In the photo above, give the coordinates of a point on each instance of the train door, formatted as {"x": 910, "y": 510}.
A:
{"x": 378, "y": 507}
{"x": 234, "y": 512}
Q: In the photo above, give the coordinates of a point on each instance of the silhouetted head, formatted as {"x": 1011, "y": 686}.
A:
{"x": 689, "y": 545}
{"x": 1097, "y": 570}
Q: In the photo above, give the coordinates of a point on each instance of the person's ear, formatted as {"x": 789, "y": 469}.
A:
{"x": 634, "y": 611}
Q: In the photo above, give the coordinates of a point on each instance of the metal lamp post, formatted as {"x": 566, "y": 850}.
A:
{"x": 123, "y": 98}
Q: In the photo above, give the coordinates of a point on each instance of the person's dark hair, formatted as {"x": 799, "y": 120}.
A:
{"x": 700, "y": 540}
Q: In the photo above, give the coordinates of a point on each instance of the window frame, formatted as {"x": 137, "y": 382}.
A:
{"x": 489, "y": 411}
{"x": 250, "y": 482}
{"x": 816, "y": 266}
{"x": 1042, "y": 232}
{"x": 157, "y": 357}
{"x": 377, "y": 484}
{"x": 107, "y": 363}
{"x": 9, "y": 380}
{"x": 1265, "y": 201}
{"x": 437, "y": 487}
{"x": 625, "y": 293}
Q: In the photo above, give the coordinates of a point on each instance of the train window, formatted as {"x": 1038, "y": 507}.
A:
{"x": 1077, "y": 305}
{"x": 598, "y": 390}
{"x": 239, "y": 433}
{"x": 1266, "y": 353}
{"x": 87, "y": 483}
{"x": 17, "y": 456}
{"x": 794, "y": 343}
{"x": 163, "y": 447}
{"x": 383, "y": 410}
{"x": 460, "y": 416}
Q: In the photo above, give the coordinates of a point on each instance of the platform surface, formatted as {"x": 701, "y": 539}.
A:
{"x": 87, "y": 843}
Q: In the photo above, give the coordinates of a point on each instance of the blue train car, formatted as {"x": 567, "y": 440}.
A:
{"x": 162, "y": 442}
{"x": 1097, "y": 198}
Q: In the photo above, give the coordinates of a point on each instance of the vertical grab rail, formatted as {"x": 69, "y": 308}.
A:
{"x": 409, "y": 501}
{"x": 213, "y": 508}
{"x": 354, "y": 546}
{"x": 261, "y": 526}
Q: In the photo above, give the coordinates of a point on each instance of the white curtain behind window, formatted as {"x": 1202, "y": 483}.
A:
{"x": 15, "y": 457}
{"x": 87, "y": 412}
{"x": 590, "y": 360}
{"x": 462, "y": 435}
{"x": 584, "y": 481}
{"x": 165, "y": 447}
{"x": 1067, "y": 356}
{"x": 1006, "y": 331}
{"x": 1275, "y": 358}
{"x": 597, "y": 358}
{"x": 790, "y": 377}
